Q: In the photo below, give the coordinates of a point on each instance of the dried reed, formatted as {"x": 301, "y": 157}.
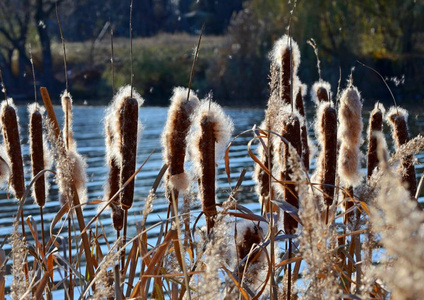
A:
{"x": 209, "y": 137}
{"x": 375, "y": 125}
{"x": 397, "y": 118}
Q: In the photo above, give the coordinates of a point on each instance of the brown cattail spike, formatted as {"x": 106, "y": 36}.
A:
{"x": 291, "y": 132}
{"x": 117, "y": 217}
{"x": 322, "y": 94}
{"x": 375, "y": 125}
{"x": 129, "y": 149}
{"x": 398, "y": 118}
{"x": 37, "y": 156}
{"x": 301, "y": 90}
{"x": 329, "y": 128}
{"x": 10, "y": 125}
{"x": 207, "y": 180}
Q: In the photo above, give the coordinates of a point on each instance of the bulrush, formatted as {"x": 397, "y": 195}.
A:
{"x": 290, "y": 131}
{"x": 12, "y": 144}
{"x": 321, "y": 92}
{"x": 174, "y": 137}
{"x": 300, "y": 92}
{"x": 397, "y": 118}
{"x": 375, "y": 126}
{"x": 286, "y": 56}
{"x": 40, "y": 156}
{"x": 211, "y": 134}
{"x": 350, "y": 132}
{"x": 129, "y": 149}
{"x": 326, "y": 130}
{"x": 66, "y": 101}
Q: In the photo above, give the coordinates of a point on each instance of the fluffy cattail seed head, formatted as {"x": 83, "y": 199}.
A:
{"x": 375, "y": 125}
{"x": 68, "y": 138}
{"x": 38, "y": 153}
{"x": 321, "y": 92}
{"x": 4, "y": 168}
{"x": 175, "y": 134}
{"x": 209, "y": 137}
{"x": 12, "y": 144}
{"x": 397, "y": 118}
{"x": 350, "y": 131}
{"x": 129, "y": 149}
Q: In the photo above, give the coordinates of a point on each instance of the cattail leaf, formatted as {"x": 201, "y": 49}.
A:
{"x": 41, "y": 285}
{"x": 33, "y": 228}
{"x": 237, "y": 283}
{"x": 251, "y": 217}
{"x": 288, "y": 208}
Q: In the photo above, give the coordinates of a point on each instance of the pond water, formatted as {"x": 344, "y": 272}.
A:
{"x": 88, "y": 132}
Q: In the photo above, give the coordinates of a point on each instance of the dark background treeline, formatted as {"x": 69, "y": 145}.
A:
{"x": 386, "y": 35}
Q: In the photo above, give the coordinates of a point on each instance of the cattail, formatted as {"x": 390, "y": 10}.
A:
{"x": 68, "y": 138}
{"x": 375, "y": 125}
{"x": 300, "y": 90}
{"x": 320, "y": 92}
{"x": 286, "y": 55}
{"x": 40, "y": 156}
{"x": 10, "y": 125}
{"x": 326, "y": 129}
{"x": 129, "y": 149}
{"x": 174, "y": 136}
{"x": 117, "y": 217}
{"x": 213, "y": 130}
{"x": 350, "y": 132}
{"x": 398, "y": 117}
{"x": 290, "y": 131}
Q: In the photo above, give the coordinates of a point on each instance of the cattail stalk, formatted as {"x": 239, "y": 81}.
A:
{"x": 211, "y": 134}
{"x": 12, "y": 143}
{"x": 301, "y": 91}
{"x": 350, "y": 140}
{"x": 397, "y": 118}
{"x": 375, "y": 125}
{"x": 38, "y": 162}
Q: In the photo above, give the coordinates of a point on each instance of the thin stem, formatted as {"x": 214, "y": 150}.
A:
{"x": 71, "y": 288}
{"x": 42, "y": 231}
{"x": 63, "y": 46}
{"x": 112, "y": 59}
{"x": 196, "y": 55}
{"x": 124, "y": 239}
{"x": 131, "y": 49}
{"x": 33, "y": 74}
{"x": 289, "y": 271}
{"x": 382, "y": 78}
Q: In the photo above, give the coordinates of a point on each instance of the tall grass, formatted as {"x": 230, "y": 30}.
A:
{"x": 306, "y": 242}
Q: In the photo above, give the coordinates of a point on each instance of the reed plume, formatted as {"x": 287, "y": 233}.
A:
{"x": 397, "y": 118}
{"x": 321, "y": 92}
{"x": 12, "y": 144}
{"x": 375, "y": 125}
{"x": 212, "y": 132}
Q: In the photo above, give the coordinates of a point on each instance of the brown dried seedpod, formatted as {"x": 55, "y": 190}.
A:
{"x": 321, "y": 92}
{"x": 175, "y": 134}
{"x": 12, "y": 143}
{"x": 375, "y": 125}
{"x": 326, "y": 128}
{"x": 117, "y": 217}
{"x": 286, "y": 55}
{"x": 397, "y": 118}
{"x": 209, "y": 137}
{"x": 291, "y": 134}
{"x": 37, "y": 153}
{"x": 129, "y": 150}
{"x": 299, "y": 105}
